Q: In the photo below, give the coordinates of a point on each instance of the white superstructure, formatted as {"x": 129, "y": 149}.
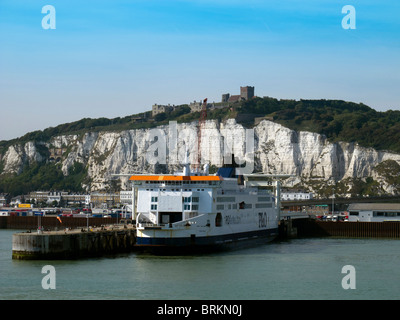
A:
{"x": 187, "y": 210}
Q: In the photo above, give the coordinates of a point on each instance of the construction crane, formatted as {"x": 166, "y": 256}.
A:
{"x": 203, "y": 117}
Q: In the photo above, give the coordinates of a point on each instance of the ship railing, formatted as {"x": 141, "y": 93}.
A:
{"x": 145, "y": 224}
{"x": 143, "y": 220}
{"x": 159, "y": 225}
{"x": 252, "y": 192}
{"x": 188, "y": 222}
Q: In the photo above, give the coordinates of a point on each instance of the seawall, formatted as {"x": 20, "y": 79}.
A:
{"x": 73, "y": 244}
{"x": 315, "y": 228}
{"x": 51, "y": 222}
{"x": 113, "y": 239}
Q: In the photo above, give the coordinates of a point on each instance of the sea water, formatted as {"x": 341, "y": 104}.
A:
{"x": 295, "y": 269}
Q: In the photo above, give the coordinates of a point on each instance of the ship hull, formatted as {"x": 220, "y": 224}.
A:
{"x": 195, "y": 243}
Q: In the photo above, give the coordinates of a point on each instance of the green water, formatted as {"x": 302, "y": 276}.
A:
{"x": 296, "y": 269}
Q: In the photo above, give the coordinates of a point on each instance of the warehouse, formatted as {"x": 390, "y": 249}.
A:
{"x": 376, "y": 212}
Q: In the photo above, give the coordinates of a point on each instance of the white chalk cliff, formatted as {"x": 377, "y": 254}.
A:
{"x": 274, "y": 149}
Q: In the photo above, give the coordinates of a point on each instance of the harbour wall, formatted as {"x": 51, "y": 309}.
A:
{"x": 113, "y": 239}
{"x": 51, "y": 222}
{"x": 316, "y": 228}
{"x": 72, "y": 245}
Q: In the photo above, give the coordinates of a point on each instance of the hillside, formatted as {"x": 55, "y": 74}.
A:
{"x": 321, "y": 141}
{"x": 336, "y": 119}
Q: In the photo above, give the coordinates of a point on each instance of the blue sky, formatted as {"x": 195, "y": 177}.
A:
{"x": 117, "y": 58}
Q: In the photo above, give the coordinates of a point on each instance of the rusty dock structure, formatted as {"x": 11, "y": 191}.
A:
{"x": 364, "y": 230}
{"x": 307, "y": 227}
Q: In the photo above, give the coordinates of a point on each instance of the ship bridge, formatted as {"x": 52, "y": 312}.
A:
{"x": 174, "y": 179}
{"x": 171, "y": 198}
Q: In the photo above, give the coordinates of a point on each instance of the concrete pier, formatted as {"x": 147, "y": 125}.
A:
{"x": 73, "y": 244}
{"x": 51, "y": 222}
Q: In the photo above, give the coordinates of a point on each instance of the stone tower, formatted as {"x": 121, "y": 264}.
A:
{"x": 246, "y": 92}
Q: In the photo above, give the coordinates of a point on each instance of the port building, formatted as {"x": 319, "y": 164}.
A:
{"x": 374, "y": 212}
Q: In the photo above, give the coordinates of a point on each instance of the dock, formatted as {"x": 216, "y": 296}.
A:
{"x": 52, "y": 222}
{"x": 76, "y": 243}
{"x": 362, "y": 230}
{"x": 73, "y": 244}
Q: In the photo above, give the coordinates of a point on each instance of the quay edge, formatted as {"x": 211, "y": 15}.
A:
{"x": 57, "y": 245}
{"x": 72, "y": 244}
{"x": 306, "y": 228}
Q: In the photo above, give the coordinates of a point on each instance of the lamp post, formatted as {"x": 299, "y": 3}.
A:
{"x": 39, "y": 224}
{"x": 87, "y": 217}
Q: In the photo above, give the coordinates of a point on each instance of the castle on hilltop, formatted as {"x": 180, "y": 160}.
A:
{"x": 246, "y": 93}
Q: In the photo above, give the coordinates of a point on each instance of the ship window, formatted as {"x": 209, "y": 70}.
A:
{"x": 187, "y": 199}
{"x": 234, "y": 206}
{"x": 218, "y": 220}
{"x": 220, "y": 207}
{"x": 195, "y": 207}
{"x": 154, "y": 199}
{"x": 153, "y": 207}
{"x": 225, "y": 199}
{"x": 353, "y": 213}
{"x": 195, "y": 199}
{"x": 170, "y": 217}
{"x": 263, "y": 205}
{"x": 186, "y": 207}
{"x": 261, "y": 199}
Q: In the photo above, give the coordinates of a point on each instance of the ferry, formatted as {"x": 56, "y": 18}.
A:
{"x": 198, "y": 210}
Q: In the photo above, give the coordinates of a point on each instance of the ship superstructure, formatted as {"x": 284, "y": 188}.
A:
{"x": 191, "y": 210}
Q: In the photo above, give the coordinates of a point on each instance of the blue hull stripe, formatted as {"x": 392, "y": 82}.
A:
{"x": 207, "y": 241}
